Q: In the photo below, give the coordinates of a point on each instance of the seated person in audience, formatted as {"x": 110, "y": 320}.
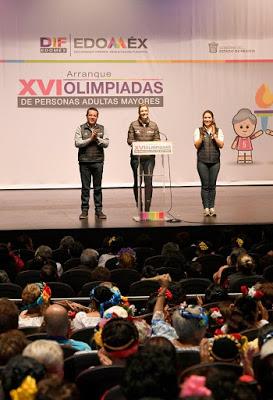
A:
{"x": 264, "y": 372}
{"x": 20, "y": 377}
{"x": 245, "y": 267}
{"x": 12, "y": 343}
{"x": 176, "y": 295}
{"x": 48, "y": 353}
{"x": 150, "y": 374}
{"x": 101, "y": 297}
{"x": 268, "y": 273}
{"x": 9, "y": 315}
{"x": 189, "y": 323}
{"x": 247, "y": 312}
{"x": 163, "y": 345}
{"x": 217, "y": 383}
{"x": 173, "y": 255}
{"x": 22, "y": 241}
{"x": 6, "y": 249}
{"x": 266, "y": 288}
{"x": 88, "y": 259}
{"x": 203, "y": 248}
{"x": 114, "y": 244}
{"x": 75, "y": 251}
{"x": 148, "y": 272}
{"x": 57, "y": 326}
{"x": 101, "y": 274}
{"x": 49, "y": 272}
{"x": 194, "y": 270}
{"x": 53, "y": 388}
{"x": 126, "y": 258}
{"x": 118, "y": 339}
{"x": 43, "y": 255}
{"x": 231, "y": 264}
{"x": 223, "y": 348}
{"x": 4, "y": 278}
{"x": 8, "y": 262}
{"x": 35, "y": 300}
{"x": 215, "y": 293}
{"x": 62, "y": 253}
{"x": 265, "y": 262}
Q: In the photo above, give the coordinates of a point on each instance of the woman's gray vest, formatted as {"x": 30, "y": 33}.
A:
{"x": 209, "y": 151}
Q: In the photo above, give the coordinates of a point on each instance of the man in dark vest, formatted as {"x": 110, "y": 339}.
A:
{"x": 91, "y": 140}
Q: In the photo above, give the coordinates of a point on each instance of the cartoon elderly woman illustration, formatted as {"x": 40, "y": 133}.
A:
{"x": 244, "y": 125}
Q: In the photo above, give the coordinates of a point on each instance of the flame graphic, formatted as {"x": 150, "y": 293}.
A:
{"x": 264, "y": 96}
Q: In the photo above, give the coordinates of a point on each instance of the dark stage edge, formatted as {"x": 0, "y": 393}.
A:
{"x": 48, "y": 215}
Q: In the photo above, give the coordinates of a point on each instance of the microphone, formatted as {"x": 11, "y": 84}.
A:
{"x": 164, "y": 135}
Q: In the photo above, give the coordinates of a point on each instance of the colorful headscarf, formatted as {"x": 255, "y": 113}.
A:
{"x": 113, "y": 301}
{"x": 43, "y": 298}
{"x": 201, "y": 316}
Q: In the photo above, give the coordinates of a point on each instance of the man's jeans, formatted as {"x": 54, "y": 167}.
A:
{"x": 94, "y": 170}
{"x": 208, "y": 174}
{"x": 146, "y": 168}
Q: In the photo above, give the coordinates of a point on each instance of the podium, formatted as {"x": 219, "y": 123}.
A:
{"x": 157, "y": 148}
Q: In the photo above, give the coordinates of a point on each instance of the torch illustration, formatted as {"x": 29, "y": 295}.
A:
{"x": 264, "y": 100}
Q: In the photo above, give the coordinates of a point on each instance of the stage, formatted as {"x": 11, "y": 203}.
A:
{"x": 54, "y": 213}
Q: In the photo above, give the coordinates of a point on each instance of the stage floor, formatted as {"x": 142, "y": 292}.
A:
{"x": 60, "y": 209}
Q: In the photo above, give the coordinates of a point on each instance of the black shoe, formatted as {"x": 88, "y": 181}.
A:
{"x": 100, "y": 215}
{"x": 84, "y": 214}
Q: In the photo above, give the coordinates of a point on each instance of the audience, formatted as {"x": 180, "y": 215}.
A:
{"x": 176, "y": 324}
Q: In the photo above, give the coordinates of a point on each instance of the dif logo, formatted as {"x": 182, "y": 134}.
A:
{"x": 53, "y": 44}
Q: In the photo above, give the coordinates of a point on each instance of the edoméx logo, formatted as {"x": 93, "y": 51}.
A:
{"x": 110, "y": 44}
{"x": 53, "y": 44}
